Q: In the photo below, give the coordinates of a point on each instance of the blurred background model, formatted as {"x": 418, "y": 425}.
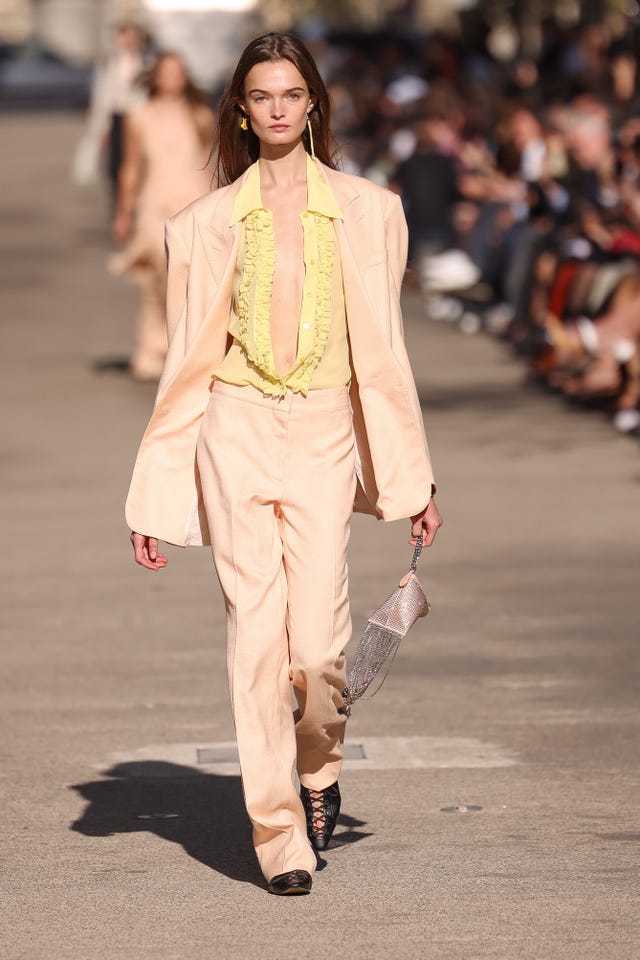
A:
{"x": 167, "y": 142}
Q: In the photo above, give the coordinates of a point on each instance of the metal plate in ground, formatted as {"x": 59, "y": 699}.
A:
{"x": 366, "y": 753}
{"x": 225, "y": 753}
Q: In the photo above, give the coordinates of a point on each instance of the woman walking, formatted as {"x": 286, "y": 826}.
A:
{"x": 166, "y": 144}
{"x": 287, "y": 400}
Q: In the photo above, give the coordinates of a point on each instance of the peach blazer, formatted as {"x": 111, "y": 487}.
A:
{"x": 392, "y": 457}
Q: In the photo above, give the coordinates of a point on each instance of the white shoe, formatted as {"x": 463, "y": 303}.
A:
{"x": 626, "y": 421}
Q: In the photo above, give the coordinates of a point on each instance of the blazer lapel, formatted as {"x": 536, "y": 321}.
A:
{"x": 346, "y": 193}
{"x": 216, "y": 236}
{"x": 217, "y": 247}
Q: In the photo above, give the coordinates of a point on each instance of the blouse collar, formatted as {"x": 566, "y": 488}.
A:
{"x": 320, "y": 197}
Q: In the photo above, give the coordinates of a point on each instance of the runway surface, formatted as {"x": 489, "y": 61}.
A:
{"x": 491, "y": 793}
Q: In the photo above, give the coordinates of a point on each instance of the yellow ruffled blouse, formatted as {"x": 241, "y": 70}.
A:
{"x": 322, "y": 359}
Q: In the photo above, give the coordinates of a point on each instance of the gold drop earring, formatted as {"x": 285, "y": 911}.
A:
{"x": 313, "y": 153}
{"x": 243, "y": 124}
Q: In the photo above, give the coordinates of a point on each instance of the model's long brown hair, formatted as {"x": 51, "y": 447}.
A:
{"x": 237, "y": 149}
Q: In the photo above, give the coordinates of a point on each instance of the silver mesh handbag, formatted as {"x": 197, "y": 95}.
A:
{"x": 384, "y": 630}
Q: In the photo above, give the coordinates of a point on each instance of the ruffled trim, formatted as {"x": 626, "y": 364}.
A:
{"x": 257, "y": 275}
{"x": 300, "y": 378}
{"x": 258, "y": 269}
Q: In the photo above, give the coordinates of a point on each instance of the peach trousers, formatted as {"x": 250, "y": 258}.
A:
{"x": 278, "y": 482}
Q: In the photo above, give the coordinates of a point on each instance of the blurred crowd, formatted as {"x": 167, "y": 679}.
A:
{"x": 520, "y": 181}
{"x": 521, "y": 185}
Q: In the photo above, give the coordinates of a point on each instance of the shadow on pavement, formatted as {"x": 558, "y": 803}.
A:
{"x": 203, "y": 812}
{"x": 111, "y": 365}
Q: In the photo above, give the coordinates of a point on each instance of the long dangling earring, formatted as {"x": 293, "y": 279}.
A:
{"x": 313, "y": 153}
{"x": 243, "y": 124}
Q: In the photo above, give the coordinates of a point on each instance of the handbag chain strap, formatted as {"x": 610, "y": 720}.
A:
{"x": 416, "y": 553}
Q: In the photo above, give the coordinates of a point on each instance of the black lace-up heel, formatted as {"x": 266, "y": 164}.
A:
{"x": 321, "y": 808}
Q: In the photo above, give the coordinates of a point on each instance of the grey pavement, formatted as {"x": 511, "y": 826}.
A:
{"x": 491, "y": 796}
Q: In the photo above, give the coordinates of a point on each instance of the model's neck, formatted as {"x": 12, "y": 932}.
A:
{"x": 280, "y": 167}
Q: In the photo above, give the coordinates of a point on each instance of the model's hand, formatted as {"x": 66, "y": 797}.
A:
{"x": 426, "y": 523}
{"x": 146, "y": 552}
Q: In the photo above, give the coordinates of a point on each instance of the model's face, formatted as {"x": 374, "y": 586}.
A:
{"x": 277, "y": 101}
{"x": 128, "y": 38}
{"x": 170, "y": 77}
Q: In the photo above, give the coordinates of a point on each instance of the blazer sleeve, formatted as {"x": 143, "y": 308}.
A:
{"x": 397, "y": 240}
{"x": 178, "y": 247}
{"x": 178, "y": 260}
{"x": 397, "y": 234}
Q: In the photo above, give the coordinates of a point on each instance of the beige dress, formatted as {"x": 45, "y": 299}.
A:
{"x": 175, "y": 172}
